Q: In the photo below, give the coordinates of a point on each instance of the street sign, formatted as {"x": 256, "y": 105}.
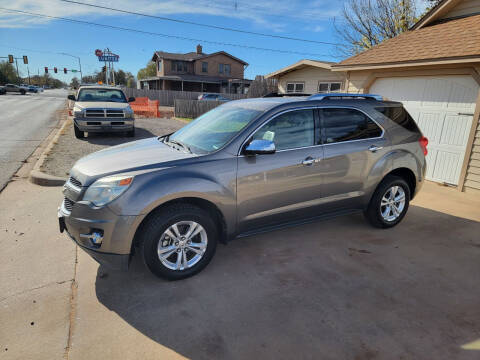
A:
{"x": 111, "y": 58}
{"x": 98, "y": 52}
{"x": 73, "y": 70}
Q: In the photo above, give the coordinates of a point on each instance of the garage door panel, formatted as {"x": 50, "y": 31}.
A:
{"x": 462, "y": 97}
{"x": 447, "y": 167}
{"x": 431, "y": 124}
{"x": 455, "y": 131}
{"x": 436, "y": 93}
{"x": 435, "y": 103}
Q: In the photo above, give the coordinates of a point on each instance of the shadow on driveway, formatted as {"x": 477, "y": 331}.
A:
{"x": 336, "y": 289}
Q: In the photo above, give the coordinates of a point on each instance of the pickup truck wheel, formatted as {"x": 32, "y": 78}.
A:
{"x": 389, "y": 203}
{"x": 131, "y": 133}
{"x": 78, "y": 134}
{"x": 178, "y": 241}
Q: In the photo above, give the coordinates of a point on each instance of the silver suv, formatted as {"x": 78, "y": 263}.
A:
{"x": 244, "y": 167}
{"x": 102, "y": 109}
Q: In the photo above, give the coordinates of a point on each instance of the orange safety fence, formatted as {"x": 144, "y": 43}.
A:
{"x": 145, "y": 106}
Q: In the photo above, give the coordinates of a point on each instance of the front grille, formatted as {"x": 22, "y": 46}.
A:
{"x": 75, "y": 181}
{"x": 115, "y": 113}
{"x": 94, "y": 113}
{"x": 68, "y": 204}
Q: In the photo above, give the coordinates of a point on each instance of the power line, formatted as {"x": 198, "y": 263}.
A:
{"x": 199, "y": 24}
{"x": 160, "y": 34}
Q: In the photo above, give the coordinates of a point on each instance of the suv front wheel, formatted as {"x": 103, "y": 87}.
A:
{"x": 389, "y": 203}
{"x": 178, "y": 241}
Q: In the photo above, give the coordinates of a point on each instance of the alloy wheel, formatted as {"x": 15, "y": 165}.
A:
{"x": 182, "y": 245}
{"x": 392, "y": 203}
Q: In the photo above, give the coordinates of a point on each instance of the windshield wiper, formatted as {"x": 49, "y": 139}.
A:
{"x": 179, "y": 143}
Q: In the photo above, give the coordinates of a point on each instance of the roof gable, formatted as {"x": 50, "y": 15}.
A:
{"x": 436, "y": 13}
{"x": 327, "y": 65}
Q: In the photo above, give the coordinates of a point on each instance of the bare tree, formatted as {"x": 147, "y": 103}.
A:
{"x": 262, "y": 86}
{"x": 366, "y": 23}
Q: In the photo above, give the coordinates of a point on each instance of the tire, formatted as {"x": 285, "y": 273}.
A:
{"x": 154, "y": 235}
{"x": 385, "y": 216}
{"x": 78, "y": 134}
{"x": 131, "y": 133}
{"x": 22, "y": 92}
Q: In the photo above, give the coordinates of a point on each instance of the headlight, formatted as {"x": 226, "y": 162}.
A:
{"x": 128, "y": 112}
{"x": 78, "y": 112}
{"x": 107, "y": 189}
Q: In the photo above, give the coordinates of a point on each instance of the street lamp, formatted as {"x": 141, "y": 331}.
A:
{"x": 79, "y": 64}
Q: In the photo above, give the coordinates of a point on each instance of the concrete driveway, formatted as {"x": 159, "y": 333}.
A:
{"x": 335, "y": 289}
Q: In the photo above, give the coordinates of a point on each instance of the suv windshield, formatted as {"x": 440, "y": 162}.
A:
{"x": 214, "y": 129}
{"x": 102, "y": 95}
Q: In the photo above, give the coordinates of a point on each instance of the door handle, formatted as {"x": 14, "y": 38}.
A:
{"x": 374, "y": 148}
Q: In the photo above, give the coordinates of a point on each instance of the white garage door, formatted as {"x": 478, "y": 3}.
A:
{"x": 443, "y": 108}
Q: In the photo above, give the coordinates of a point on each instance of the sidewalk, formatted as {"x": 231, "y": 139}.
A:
{"x": 37, "y": 268}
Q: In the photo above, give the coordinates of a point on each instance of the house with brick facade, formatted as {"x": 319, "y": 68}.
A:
{"x": 218, "y": 72}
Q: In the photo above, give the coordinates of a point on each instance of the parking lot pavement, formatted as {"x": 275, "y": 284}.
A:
{"x": 69, "y": 149}
{"x": 335, "y": 289}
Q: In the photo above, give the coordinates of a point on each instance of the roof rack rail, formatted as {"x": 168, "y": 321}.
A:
{"x": 276, "y": 94}
{"x": 345, "y": 95}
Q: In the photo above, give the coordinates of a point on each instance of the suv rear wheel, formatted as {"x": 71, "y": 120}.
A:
{"x": 179, "y": 241}
{"x": 389, "y": 203}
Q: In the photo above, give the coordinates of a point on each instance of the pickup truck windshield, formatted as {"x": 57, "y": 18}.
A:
{"x": 214, "y": 129}
{"x": 101, "y": 95}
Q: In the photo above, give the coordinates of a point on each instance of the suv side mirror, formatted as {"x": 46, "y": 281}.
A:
{"x": 131, "y": 99}
{"x": 71, "y": 97}
{"x": 259, "y": 147}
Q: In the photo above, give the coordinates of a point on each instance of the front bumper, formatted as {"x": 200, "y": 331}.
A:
{"x": 115, "y": 248}
{"x": 102, "y": 125}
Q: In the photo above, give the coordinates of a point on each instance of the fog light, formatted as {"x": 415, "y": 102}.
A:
{"x": 95, "y": 237}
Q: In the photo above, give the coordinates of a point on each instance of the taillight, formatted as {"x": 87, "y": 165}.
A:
{"x": 70, "y": 112}
{"x": 423, "y": 144}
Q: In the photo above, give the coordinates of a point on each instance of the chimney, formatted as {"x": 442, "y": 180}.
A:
{"x": 199, "y": 49}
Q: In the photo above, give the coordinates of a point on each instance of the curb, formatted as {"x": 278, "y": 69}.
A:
{"x": 43, "y": 179}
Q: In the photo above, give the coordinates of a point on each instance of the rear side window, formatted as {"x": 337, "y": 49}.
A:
{"x": 400, "y": 116}
{"x": 348, "y": 124}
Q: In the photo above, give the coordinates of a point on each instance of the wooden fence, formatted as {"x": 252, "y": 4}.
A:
{"x": 194, "y": 108}
{"x": 168, "y": 97}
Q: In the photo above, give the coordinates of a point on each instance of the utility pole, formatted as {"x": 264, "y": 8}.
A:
{"x": 16, "y": 64}
{"x": 28, "y": 70}
{"x": 79, "y": 64}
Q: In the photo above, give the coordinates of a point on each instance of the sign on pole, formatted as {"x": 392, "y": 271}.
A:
{"x": 110, "y": 58}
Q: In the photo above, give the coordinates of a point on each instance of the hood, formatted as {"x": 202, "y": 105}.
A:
{"x": 100, "y": 105}
{"x": 133, "y": 156}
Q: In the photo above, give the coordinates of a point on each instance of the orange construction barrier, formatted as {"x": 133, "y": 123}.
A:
{"x": 145, "y": 106}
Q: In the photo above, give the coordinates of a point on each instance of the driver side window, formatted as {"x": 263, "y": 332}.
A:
{"x": 290, "y": 130}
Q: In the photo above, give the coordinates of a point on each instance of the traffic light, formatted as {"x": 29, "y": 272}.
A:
{"x": 25, "y": 59}
{"x": 10, "y": 59}
{"x": 55, "y": 70}
{"x": 104, "y": 69}
{"x": 46, "y": 69}
{"x": 64, "y": 70}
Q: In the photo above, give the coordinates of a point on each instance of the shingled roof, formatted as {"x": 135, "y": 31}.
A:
{"x": 454, "y": 39}
{"x": 191, "y": 56}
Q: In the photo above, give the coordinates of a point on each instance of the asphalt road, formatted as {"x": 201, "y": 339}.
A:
{"x": 25, "y": 120}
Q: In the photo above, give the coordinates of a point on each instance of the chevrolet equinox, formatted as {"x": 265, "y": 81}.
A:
{"x": 244, "y": 167}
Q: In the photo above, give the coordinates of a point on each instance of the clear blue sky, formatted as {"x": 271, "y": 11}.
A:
{"x": 42, "y": 39}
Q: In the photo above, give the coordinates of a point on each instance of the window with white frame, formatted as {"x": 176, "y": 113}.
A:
{"x": 295, "y": 87}
{"x": 326, "y": 87}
